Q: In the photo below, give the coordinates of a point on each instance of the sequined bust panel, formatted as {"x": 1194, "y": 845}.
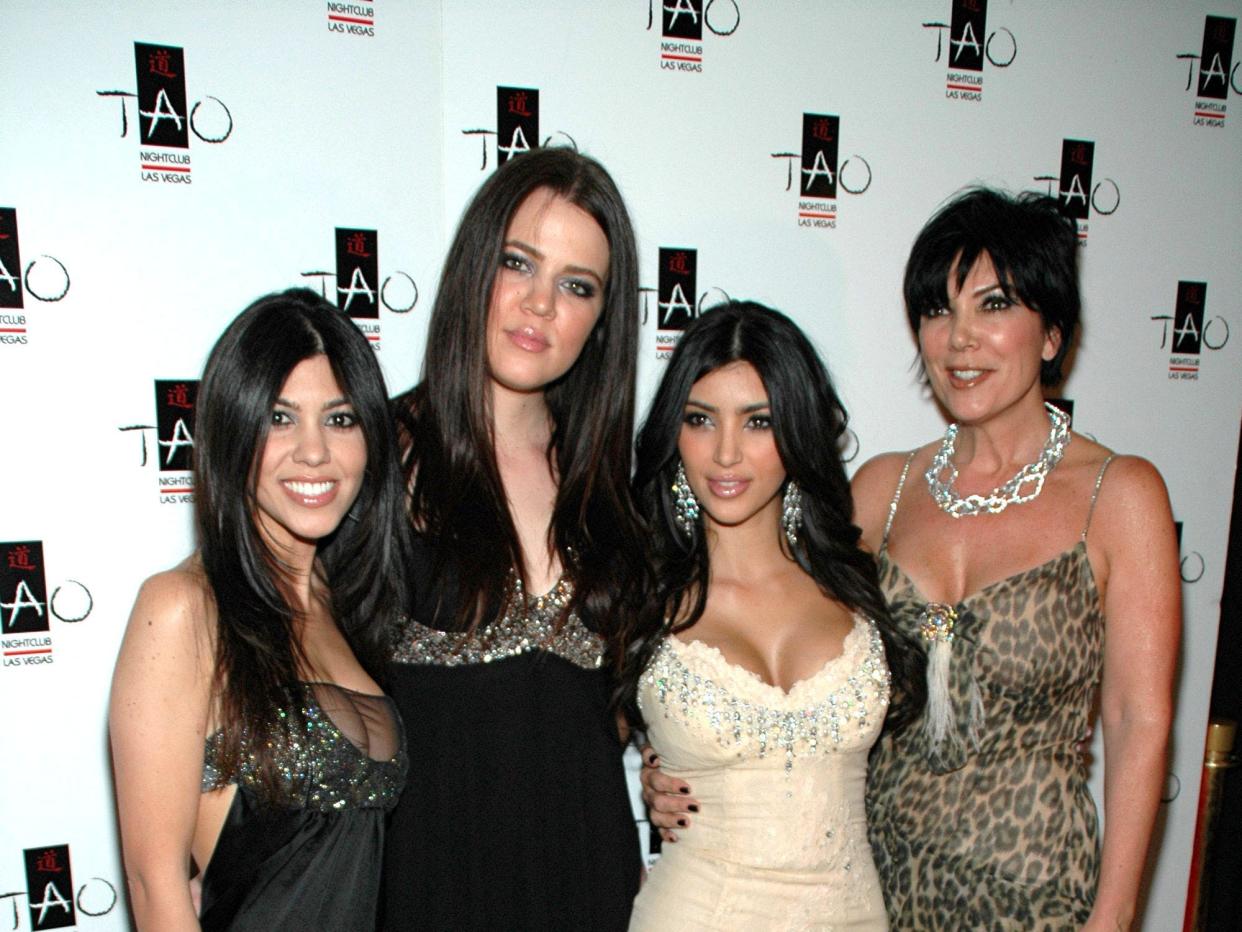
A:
{"x": 781, "y": 838}
{"x": 845, "y": 715}
{"x": 326, "y": 766}
{"x": 528, "y": 624}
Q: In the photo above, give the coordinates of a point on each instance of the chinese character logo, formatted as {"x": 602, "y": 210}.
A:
{"x": 820, "y": 133}
{"x": 23, "y": 588}
{"x": 676, "y": 292}
{"x": 49, "y": 887}
{"x": 517, "y": 121}
{"x": 1216, "y": 61}
{"x": 357, "y": 273}
{"x": 174, "y": 418}
{"x": 1074, "y": 192}
{"x": 163, "y": 117}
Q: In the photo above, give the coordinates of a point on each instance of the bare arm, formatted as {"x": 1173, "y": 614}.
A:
{"x": 1133, "y": 532}
{"x": 157, "y": 720}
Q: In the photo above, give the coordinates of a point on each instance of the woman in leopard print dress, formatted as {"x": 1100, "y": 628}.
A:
{"x": 1026, "y": 599}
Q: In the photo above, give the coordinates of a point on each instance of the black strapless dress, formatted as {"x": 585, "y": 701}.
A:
{"x": 311, "y": 858}
{"x": 516, "y": 815}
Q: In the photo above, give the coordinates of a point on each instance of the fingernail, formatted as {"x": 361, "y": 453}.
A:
{"x": 685, "y": 790}
{"x": 681, "y": 822}
{"x": 694, "y": 808}
{"x": 651, "y": 760}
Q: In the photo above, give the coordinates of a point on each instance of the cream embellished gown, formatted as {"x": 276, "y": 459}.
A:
{"x": 780, "y": 842}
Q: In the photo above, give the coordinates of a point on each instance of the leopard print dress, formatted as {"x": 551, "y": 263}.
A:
{"x": 994, "y": 828}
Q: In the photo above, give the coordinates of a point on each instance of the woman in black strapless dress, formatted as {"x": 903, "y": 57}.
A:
{"x": 518, "y": 461}
{"x": 249, "y": 736}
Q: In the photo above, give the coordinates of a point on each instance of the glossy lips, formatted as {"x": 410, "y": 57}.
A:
{"x": 528, "y": 338}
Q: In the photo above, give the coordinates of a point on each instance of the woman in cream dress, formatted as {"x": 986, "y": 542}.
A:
{"x": 768, "y": 684}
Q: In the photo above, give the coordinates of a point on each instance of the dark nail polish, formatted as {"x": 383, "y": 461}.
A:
{"x": 681, "y": 822}
{"x": 685, "y": 790}
{"x": 694, "y": 808}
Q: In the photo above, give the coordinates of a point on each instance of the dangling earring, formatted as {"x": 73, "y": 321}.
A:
{"x": 685, "y": 505}
{"x": 791, "y": 512}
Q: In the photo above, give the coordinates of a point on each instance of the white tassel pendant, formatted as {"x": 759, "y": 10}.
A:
{"x": 936, "y": 628}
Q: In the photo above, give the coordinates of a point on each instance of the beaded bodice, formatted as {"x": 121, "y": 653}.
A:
{"x": 780, "y": 775}
{"x": 349, "y": 752}
{"x": 527, "y": 624}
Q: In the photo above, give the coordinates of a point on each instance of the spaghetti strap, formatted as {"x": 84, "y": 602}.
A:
{"x": 892, "y": 508}
{"x": 1099, "y": 479}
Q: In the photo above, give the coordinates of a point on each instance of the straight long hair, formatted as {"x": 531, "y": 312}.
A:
{"x": 257, "y": 652}
{"x": 457, "y": 498}
{"x": 808, "y": 424}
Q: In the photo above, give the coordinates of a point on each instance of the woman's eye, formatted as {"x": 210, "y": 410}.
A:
{"x": 281, "y": 418}
{"x": 514, "y": 262}
{"x": 580, "y": 288}
{"x": 939, "y": 311}
{"x": 760, "y": 422}
{"x": 343, "y": 419}
{"x": 996, "y": 302}
{"x": 696, "y": 419}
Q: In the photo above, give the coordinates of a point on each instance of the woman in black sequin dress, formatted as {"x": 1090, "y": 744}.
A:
{"x": 249, "y": 736}
{"x": 518, "y": 458}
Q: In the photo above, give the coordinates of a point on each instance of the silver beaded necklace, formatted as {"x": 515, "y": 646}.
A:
{"x": 942, "y": 474}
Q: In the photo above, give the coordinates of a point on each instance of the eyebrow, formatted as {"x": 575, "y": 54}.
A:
{"x": 293, "y": 405}
{"x": 986, "y": 288}
{"x": 745, "y": 409}
{"x": 574, "y": 269}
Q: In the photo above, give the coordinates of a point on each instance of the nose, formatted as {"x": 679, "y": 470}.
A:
{"x": 311, "y": 448}
{"x": 728, "y": 447}
{"x": 540, "y": 298}
{"x": 961, "y": 331}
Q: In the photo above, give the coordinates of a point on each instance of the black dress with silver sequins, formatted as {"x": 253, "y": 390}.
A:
{"x": 310, "y": 858}
{"x": 516, "y": 814}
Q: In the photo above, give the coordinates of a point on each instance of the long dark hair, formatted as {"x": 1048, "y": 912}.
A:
{"x": 808, "y": 423}
{"x": 257, "y": 654}
{"x": 457, "y": 497}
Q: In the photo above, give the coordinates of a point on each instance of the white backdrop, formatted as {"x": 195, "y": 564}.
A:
{"x": 302, "y": 118}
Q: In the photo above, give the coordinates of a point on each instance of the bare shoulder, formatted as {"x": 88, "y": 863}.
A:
{"x": 1131, "y": 483}
{"x": 175, "y": 605}
{"x": 873, "y": 486}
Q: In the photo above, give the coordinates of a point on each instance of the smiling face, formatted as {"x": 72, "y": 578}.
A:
{"x": 548, "y": 292}
{"x": 313, "y": 462}
{"x": 728, "y": 448}
{"x": 983, "y": 352}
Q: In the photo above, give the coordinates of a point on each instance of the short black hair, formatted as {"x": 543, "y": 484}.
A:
{"x": 1033, "y": 247}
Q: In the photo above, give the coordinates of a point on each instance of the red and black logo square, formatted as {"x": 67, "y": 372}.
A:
{"x": 820, "y": 135}
{"x": 678, "y": 271}
{"x": 23, "y": 588}
{"x": 10, "y": 260}
{"x": 517, "y": 121}
{"x": 357, "y": 273}
{"x": 174, "y": 423}
{"x": 1188, "y": 317}
{"x": 49, "y": 887}
{"x": 968, "y": 34}
{"x": 1077, "y": 156}
{"x": 163, "y": 119}
{"x": 1216, "y": 62}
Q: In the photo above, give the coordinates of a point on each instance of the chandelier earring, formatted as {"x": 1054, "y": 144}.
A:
{"x": 685, "y": 505}
{"x": 791, "y": 512}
